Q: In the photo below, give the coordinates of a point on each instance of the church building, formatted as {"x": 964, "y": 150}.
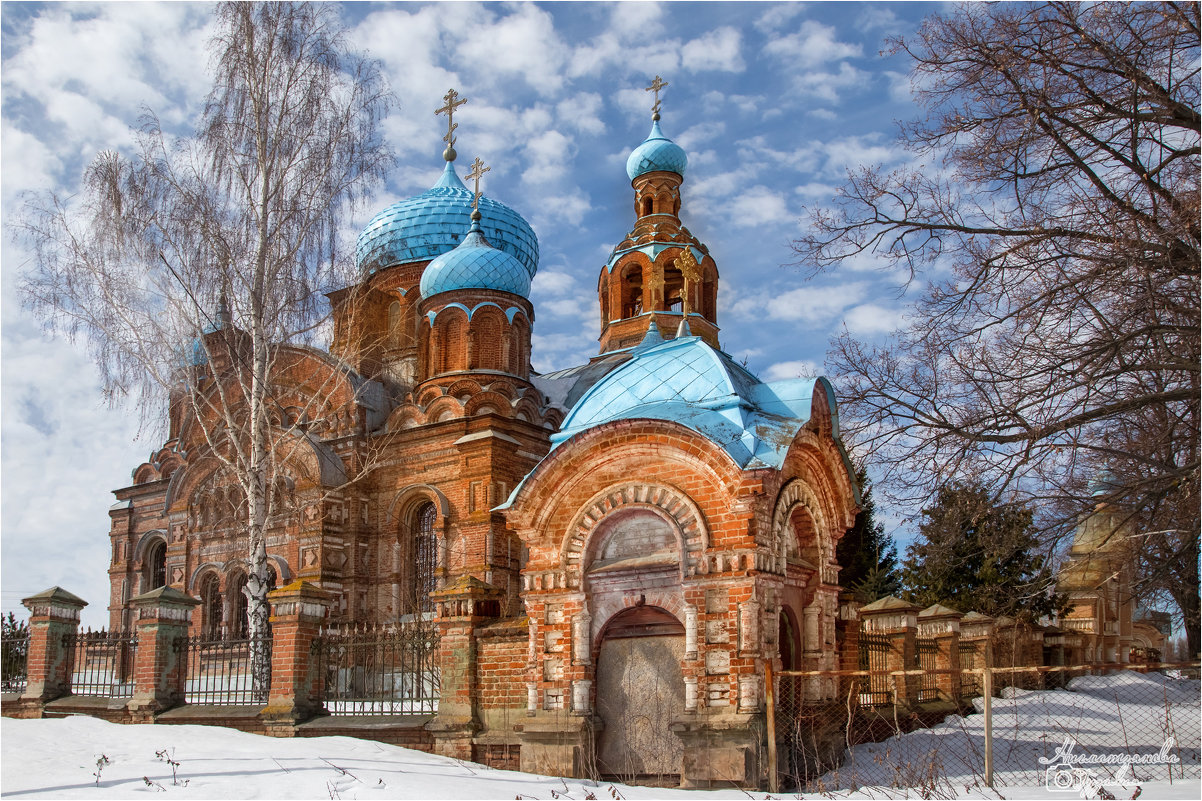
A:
{"x": 650, "y": 526}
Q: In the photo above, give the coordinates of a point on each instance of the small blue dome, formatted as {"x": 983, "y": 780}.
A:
{"x": 657, "y": 152}
{"x": 432, "y": 223}
{"x": 475, "y": 264}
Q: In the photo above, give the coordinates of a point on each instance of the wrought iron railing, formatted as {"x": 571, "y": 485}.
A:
{"x": 14, "y": 653}
{"x": 970, "y": 660}
{"x": 379, "y": 670}
{"x": 101, "y": 663}
{"x": 223, "y": 672}
{"x": 876, "y": 689}
{"x": 926, "y": 653}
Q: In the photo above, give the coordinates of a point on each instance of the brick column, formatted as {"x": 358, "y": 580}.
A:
{"x": 297, "y": 684}
{"x": 899, "y": 620}
{"x": 460, "y": 606}
{"x": 847, "y": 635}
{"x": 53, "y": 617}
{"x": 160, "y": 663}
{"x": 942, "y": 624}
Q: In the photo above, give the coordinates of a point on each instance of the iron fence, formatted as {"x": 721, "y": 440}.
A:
{"x": 971, "y": 659}
{"x": 14, "y": 653}
{"x": 222, "y": 672}
{"x": 876, "y": 687}
{"x": 101, "y": 663}
{"x": 1109, "y": 726}
{"x": 926, "y": 655}
{"x": 379, "y": 670}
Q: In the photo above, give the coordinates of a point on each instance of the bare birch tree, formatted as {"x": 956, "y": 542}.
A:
{"x": 1051, "y": 214}
{"x": 190, "y": 267}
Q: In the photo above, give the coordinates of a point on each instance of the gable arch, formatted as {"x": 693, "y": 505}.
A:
{"x": 667, "y": 502}
{"x": 146, "y": 540}
{"x": 798, "y": 494}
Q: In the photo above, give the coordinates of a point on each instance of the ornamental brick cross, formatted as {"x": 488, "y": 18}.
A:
{"x": 655, "y": 86}
{"x": 690, "y": 270}
{"x": 478, "y": 170}
{"x": 449, "y": 110}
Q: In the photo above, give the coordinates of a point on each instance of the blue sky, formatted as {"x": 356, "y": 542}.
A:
{"x": 773, "y": 103}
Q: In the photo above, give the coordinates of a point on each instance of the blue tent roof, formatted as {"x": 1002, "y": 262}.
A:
{"x": 686, "y": 381}
{"x": 432, "y": 223}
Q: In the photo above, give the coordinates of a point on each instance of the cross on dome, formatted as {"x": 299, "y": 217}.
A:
{"x": 478, "y": 170}
{"x": 449, "y": 109}
{"x": 656, "y": 86}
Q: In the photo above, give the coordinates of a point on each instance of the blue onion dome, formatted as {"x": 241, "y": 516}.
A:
{"x": 432, "y": 223}
{"x": 475, "y": 264}
{"x": 657, "y": 152}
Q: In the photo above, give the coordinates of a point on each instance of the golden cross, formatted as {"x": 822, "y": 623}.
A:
{"x": 655, "y": 86}
{"x": 690, "y": 270}
{"x": 478, "y": 170}
{"x": 449, "y": 110}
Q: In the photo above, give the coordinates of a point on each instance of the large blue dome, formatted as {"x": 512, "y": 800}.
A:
{"x": 475, "y": 264}
{"x": 657, "y": 152}
{"x": 432, "y": 223}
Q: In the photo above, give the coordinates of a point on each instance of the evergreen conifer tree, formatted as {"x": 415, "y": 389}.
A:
{"x": 867, "y": 556}
{"x": 975, "y": 555}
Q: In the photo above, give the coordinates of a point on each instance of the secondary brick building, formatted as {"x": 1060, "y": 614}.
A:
{"x": 612, "y": 551}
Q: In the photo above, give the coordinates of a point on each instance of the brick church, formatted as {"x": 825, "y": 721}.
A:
{"x": 635, "y": 535}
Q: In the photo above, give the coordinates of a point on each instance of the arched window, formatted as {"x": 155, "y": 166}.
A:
{"x": 210, "y": 605}
{"x": 239, "y": 606}
{"x": 648, "y": 206}
{"x": 155, "y": 566}
{"x": 425, "y": 553}
{"x": 632, "y": 292}
{"x": 673, "y": 289}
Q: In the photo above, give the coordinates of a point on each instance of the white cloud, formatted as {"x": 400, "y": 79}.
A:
{"x": 813, "y": 45}
{"x": 831, "y": 86}
{"x": 781, "y": 371}
{"x": 552, "y": 283}
{"x": 777, "y": 16}
{"x": 716, "y": 50}
{"x": 811, "y": 305}
{"x": 823, "y": 114}
{"x": 547, "y": 154}
{"x": 870, "y": 318}
{"x": 551, "y": 210}
{"x": 582, "y": 111}
{"x": 758, "y": 205}
{"x": 636, "y": 19}
{"x": 522, "y": 43}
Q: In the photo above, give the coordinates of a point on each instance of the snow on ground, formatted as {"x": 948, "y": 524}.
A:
{"x": 1122, "y": 714}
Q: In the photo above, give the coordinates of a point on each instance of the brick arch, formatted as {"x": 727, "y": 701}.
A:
{"x": 193, "y": 585}
{"x": 146, "y": 540}
{"x": 670, "y": 503}
{"x": 609, "y": 607}
{"x": 794, "y": 494}
{"x": 412, "y": 494}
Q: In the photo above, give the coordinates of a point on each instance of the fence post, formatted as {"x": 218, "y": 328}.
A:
{"x": 297, "y": 686}
{"x": 53, "y": 617}
{"x": 987, "y": 693}
{"x": 770, "y": 711}
{"x": 160, "y": 664}
{"x": 942, "y": 624}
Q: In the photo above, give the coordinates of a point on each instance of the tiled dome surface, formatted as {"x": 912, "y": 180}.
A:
{"x": 657, "y": 152}
{"x": 432, "y": 223}
{"x": 475, "y": 264}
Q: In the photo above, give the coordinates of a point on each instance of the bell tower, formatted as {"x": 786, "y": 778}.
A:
{"x": 660, "y": 272}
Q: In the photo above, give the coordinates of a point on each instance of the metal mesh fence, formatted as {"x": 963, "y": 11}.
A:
{"x": 101, "y": 662}
{"x": 1058, "y": 728}
{"x": 221, "y": 672}
{"x": 380, "y": 670}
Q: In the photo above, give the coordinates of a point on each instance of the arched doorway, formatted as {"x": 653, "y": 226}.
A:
{"x": 640, "y": 691}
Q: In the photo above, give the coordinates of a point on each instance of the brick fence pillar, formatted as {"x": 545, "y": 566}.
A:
{"x": 847, "y": 636}
{"x": 942, "y": 624}
{"x": 53, "y": 617}
{"x": 297, "y": 684}
{"x": 160, "y": 661}
{"x": 461, "y": 606}
{"x": 899, "y": 620}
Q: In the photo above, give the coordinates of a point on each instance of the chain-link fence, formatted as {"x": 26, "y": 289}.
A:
{"x": 1057, "y": 728}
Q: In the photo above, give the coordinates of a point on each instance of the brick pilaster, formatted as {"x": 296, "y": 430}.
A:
{"x": 942, "y": 624}
{"x": 160, "y": 661}
{"x": 53, "y": 618}
{"x": 460, "y": 606}
{"x": 899, "y": 620}
{"x": 297, "y": 684}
